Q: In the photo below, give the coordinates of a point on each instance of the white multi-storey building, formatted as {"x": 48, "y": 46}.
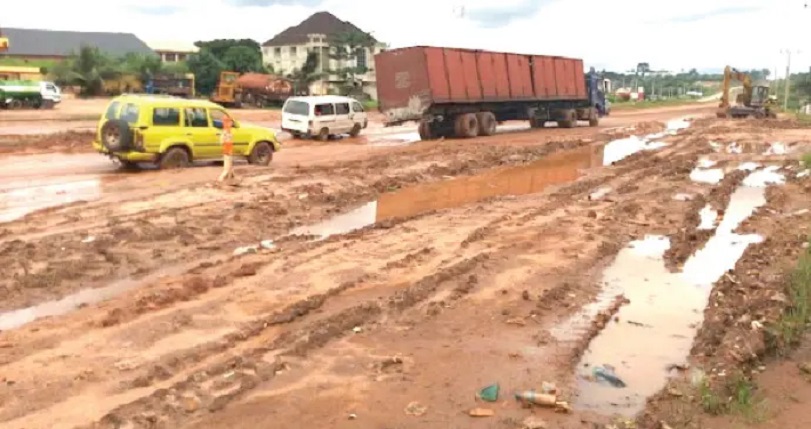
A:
{"x": 288, "y": 50}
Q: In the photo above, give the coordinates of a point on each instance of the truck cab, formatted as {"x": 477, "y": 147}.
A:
{"x": 596, "y": 92}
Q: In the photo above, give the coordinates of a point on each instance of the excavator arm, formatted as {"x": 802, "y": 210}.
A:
{"x": 733, "y": 74}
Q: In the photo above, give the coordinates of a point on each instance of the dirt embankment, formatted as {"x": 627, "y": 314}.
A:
{"x": 356, "y": 328}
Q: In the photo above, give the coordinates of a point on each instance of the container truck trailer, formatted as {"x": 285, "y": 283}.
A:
{"x": 464, "y": 93}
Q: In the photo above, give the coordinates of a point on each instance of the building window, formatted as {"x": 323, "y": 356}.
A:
{"x": 360, "y": 57}
{"x": 181, "y": 57}
{"x": 278, "y": 52}
{"x": 293, "y": 51}
{"x": 171, "y": 57}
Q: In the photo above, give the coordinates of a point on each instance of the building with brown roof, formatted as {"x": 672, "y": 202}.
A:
{"x": 288, "y": 51}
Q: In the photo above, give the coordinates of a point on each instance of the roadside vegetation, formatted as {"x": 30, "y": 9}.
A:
{"x": 789, "y": 330}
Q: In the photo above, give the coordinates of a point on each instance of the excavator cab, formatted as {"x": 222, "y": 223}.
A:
{"x": 760, "y": 96}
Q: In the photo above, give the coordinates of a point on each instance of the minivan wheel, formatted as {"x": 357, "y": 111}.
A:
{"x": 175, "y": 157}
{"x": 323, "y": 135}
{"x": 261, "y": 154}
{"x": 355, "y": 130}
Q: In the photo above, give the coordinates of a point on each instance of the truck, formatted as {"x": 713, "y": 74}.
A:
{"x": 253, "y": 89}
{"x": 20, "y": 94}
{"x": 465, "y": 93}
{"x": 178, "y": 85}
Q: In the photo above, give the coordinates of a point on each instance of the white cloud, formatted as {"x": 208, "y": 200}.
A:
{"x": 616, "y": 34}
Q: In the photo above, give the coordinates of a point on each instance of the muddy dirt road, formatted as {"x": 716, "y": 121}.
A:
{"x": 356, "y": 284}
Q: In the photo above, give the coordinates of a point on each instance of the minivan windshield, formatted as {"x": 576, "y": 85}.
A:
{"x": 297, "y": 108}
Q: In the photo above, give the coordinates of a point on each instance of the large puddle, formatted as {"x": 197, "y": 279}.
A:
{"x": 655, "y": 330}
{"x": 558, "y": 168}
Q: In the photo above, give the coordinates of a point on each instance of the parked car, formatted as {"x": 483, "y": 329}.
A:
{"x": 173, "y": 132}
{"x": 323, "y": 116}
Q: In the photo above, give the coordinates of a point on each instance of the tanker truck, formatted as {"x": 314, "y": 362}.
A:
{"x": 21, "y": 94}
{"x": 251, "y": 89}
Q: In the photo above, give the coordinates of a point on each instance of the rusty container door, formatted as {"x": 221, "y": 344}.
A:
{"x": 456, "y": 75}
{"x": 561, "y": 79}
{"x": 543, "y": 74}
{"x": 520, "y": 76}
{"x": 487, "y": 75}
{"x": 437, "y": 74}
{"x": 502, "y": 76}
{"x": 473, "y": 85}
{"x": 402, "y": 75}
{"x": 579, "y": 80}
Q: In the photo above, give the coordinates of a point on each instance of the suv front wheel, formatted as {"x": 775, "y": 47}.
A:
{"x": 261, "y": 154}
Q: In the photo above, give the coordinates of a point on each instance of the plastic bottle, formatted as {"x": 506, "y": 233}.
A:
{"x": 532, "y": 397}
{"x": 608, "y": 375}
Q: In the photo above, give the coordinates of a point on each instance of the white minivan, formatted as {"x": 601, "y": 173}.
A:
{"x": 323, "y": 116}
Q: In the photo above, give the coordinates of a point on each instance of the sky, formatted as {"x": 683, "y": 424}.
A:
{"x": 608, "y": 34}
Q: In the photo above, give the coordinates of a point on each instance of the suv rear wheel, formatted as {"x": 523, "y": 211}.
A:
{"x": 175, "y": 157}
{"x": 116, "y": 135}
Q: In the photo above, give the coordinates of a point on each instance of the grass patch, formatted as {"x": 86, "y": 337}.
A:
{"x": 788, "y": 331}
{"x": 737, "y": 396}
{"x": 807, "y": 158}
{"x": 370, "y": 105}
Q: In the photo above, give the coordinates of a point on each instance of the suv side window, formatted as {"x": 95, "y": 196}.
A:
{"x": 196, "y": 117}
{"x": 130, "y": 113}
{"x": 165, "y": 117}
{"x": 217, "y": 116}
{"x": 112, "y": 110}
{"x": 324, "y": 110}
{"x": 342, "y": 109}
{"x": 357, "y": 107}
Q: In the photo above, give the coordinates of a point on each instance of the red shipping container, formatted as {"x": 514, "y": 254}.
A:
{"x": 412, "y": 79}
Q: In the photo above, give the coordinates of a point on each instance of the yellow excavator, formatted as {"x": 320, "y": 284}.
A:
{"x": 754, "y": 102}
{"x": 3, "y": 42}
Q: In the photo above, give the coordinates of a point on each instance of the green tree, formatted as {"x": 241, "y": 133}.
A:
{"x": 243, "y": 59}
{"x": 308, "y": 73}
{"x": 88, "y": 69}
{"x": 348, "y": 49}
{"x": 219, "y": 47}
{"x": 206, "y": 68}
{"x": 142, "y": 66}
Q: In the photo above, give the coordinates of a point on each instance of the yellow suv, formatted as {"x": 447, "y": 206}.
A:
{"x": 173, "y": 132}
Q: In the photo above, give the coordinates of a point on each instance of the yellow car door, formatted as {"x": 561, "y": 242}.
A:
{"x": 204, "y": 137}
{"x": 163, "y": 124}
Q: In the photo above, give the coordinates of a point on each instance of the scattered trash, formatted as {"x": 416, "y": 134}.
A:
{"x": 518, "y": 321}
{"x": 489, "y": 393}
{"x": 606, "y": 373}
{"x": 415, "y": 409}
{"x": 549, "y": 388}
{"x": 357, "y": 329}
{"x": 268, "y": 244}
{"x": 563, "y": 407}
{"x": 756, "y": 325}
{"x": 533, "y": 422}
{"x": 481, "y": 412}
{"x": 245, "y": 250}
{"x": 530, "y": 397}
{"x": 89, "y": 239}
{"x": 353, "y": 416}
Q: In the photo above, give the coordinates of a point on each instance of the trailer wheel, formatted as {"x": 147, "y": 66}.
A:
{"x": 535, "y": 122}
{"x": 594, "y": 118}
{"x": 487, "y": 123}
{"x": 571, "y": 119}
{"x": 15, "y": 104}
{"x": 424, "y": 129}
{"x": 466, "y": 125}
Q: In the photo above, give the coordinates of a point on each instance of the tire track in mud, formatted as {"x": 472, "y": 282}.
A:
{"x": 251, "y": 367}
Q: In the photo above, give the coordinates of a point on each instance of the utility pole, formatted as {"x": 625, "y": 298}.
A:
{"x": 788, "y": 76}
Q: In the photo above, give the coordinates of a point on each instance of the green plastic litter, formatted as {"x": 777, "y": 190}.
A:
{"x": 489, "y": 393}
